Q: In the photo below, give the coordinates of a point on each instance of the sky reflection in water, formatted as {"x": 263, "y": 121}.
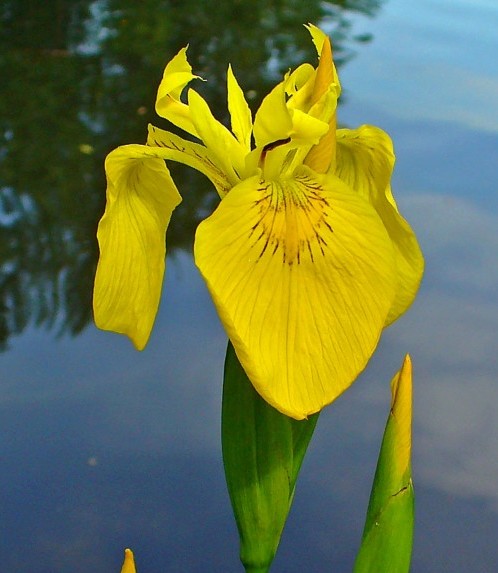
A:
{"x": 103, "y": 447}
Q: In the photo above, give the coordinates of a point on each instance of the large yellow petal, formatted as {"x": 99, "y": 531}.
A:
{"x": 177, "y": 74}
{"x": 192, "y": 154}
{"x": 140, "y": 199}
{"x": 365, "y": 161}
{"x": 302, "y": 274}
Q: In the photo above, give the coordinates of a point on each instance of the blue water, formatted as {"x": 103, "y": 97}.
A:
{"x": 102, "y": 447}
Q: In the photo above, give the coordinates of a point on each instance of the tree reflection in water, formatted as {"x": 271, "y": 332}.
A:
{"x": 80, "y": 78}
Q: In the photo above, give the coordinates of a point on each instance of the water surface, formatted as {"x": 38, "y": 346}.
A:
{"x": 102, "y": 447}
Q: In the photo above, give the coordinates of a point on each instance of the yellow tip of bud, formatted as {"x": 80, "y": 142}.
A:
{"x": 401, "y": 410}
{"x": 129, "y": 562}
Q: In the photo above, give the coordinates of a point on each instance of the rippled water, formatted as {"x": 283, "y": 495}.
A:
{"x": 102, "y": 447}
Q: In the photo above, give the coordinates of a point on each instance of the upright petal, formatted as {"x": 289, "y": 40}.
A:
{"x": 299, "y": 86}
{"x": 229, "y": 153}
{"x": 140, "y": 199}
{"x": 302, "y": 274}
{"x": 273, "y": 121}
{"x": 239, "y": 112}
{"x": 324, "y": 73}
{"x": 325, "y": 95}
{"x": 192, "y": 154}
{"x": 319, "y": 37}
{"x": 365, "y": 161}
{"x": 307, "y": 129}
{"x": 177, "y": 74}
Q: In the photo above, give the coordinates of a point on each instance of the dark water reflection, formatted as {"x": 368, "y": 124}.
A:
{"x": 81, "y": 78}
{"x": 102, "y": 447}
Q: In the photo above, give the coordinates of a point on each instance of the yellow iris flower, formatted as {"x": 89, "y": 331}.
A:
{"x": 307, "y": 257}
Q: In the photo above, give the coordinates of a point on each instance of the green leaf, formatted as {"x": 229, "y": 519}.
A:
{"x": 262, "y": 453}
{"x": 388, "y": 534}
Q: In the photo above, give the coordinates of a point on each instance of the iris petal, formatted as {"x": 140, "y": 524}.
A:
{"x": 239, "y": 112}
{"x": 192, "y": 154}
{"x": 302, "y": 274}
{"x": 177, "y": 74}
{"x": 307, "y": 129}
{"x": 273, "y": 120}
{"x": 325, "y": 94}
{"x": 319, "y": 37}
{"x": 140, "y": 199}
{"x": 299, "y": 86}
{"x": 229, "y": 153}
{"x": 365, "y": 161}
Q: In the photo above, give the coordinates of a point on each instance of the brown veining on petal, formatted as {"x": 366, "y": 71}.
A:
{"x": 292, "y": 220}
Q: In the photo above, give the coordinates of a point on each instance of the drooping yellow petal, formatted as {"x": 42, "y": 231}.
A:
{"x": 229, "y": 153}
{"x": 401, "y": 410}
{"x": 192, "y": 154}
{"x": 365, "y": 161}
{"x": 302, "y": 274}
{"x": 129, "y": 562}
{"x": 177, "y": 74}
{"x": 140, "y": 199}
{"x": 239, "y": 111}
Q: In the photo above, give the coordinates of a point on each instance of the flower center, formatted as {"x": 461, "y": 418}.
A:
{"x": 292, "y": 220}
